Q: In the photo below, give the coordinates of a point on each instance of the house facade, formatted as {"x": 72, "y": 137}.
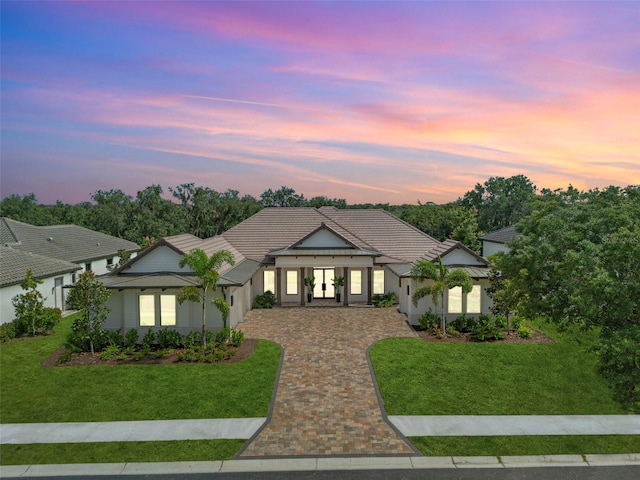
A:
{"x": 56, "y": 254}
{"x": 275, "y": 250}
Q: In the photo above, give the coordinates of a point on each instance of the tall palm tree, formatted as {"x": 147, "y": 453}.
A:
{"x": 206, "y": 269}
{"x": 443, "y": 280}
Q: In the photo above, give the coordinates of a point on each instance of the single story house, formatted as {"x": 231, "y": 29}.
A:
{"x": 54, "y": 274}
{"x": 59, "y": 249}
{"x": 274, "y": 250}
{"x": 497, "y": 241}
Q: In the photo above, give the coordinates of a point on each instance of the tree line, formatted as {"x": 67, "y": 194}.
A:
{"x": 205, "y": 212}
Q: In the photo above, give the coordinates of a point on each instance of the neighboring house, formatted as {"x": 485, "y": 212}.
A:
{"x": 498, "y": 240}
{"x": 275, "y": 250}
{"x": 14, "y": 264}
{"x": 55, "y": 254}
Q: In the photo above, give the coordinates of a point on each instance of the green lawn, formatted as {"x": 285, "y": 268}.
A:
{"x": 32, "y": 393}
{"x": 120, "y": 452}
{"x": 418, "y": 378}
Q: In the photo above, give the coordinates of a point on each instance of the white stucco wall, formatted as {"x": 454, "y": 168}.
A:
{"x": 54, "y": 297}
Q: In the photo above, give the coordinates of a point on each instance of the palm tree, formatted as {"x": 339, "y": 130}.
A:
{"x": 443, "y": 280}
{"x": 206, "y": 269}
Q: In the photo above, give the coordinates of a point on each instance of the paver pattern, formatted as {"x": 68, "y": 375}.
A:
{"x": 326, "y": 402}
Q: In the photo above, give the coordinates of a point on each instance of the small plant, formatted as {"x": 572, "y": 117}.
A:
{"x": 169, "y": 338}
{"x": 501, "y": 322}
{"x": 237, "y": 337}
{"x": 266, "y": 300}
{"x": 485, "y": 330}
{"x": 384, "y": 301}
{"x": 50, "y": 318}
{"x": 7, "y": 332}
{"x": 452, "y": 331}
{"x": 192, "y": 340}
{"x": 110, "y": 351}
{"x": 131, "y": 339}
{"x": 66, "y": 356}
{"x": 464, "y": 324}
{"x": 427, "y": 320}
{"x": 524, "y": 331}
{"x": 161, "y": 353}
{"x": 517, "y": 322}
{"x": 148, "y": 340}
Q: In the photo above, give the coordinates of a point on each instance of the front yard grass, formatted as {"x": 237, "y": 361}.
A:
{"x": 418, "y": 378}
{"x": 31, "y": 393}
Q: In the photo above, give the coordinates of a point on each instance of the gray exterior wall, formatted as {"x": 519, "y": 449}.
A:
{"x": 490, "y": 248}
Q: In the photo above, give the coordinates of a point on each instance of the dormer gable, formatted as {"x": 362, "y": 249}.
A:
{"x": 323, "y": 237}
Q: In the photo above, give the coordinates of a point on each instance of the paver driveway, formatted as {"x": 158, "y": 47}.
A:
{"x": 326, "y": 402}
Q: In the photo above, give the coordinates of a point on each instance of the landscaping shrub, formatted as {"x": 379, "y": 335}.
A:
{"x": 109, "y": 352}
{"x": 524, "y": 331}
{"x": 114, "y": 338}
{"x": 486, "y": 329}
{"x": 50, "y": 318}
{"x": 131, "y": 339}
{"x": 7, "y": 332}
{"x": 501, "y": 322}
{"x": 463, "y": 324}
{"x": 169, "y": 338}
{"x": 427, "y": 320}
{"x": 266, "y": 300}
{"x": 382, "y": 301}
{"x": 237, "y": 337}
{"x": 148, "y": 340}
{"x": 192, "y": 340}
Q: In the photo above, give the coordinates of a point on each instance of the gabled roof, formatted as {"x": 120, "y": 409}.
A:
{"x": 504, "y": 235}
{"x": 15, "y": 263}
{"x": 449, "y": 246}
{"x": 63, "y": 242}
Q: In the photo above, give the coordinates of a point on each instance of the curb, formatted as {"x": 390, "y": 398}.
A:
{"x": 319, "y": 464}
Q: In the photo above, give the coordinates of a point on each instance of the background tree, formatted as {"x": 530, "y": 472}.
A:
{"x": 89, "y": 296}
{"x": 443, "y": 279}
{"x": 111, "y": 213}
{"x": 29, "y": 306}
{"x": 283, "y": 197}
{"x": 500, "y": 202}
{"x": 206, "y": 269}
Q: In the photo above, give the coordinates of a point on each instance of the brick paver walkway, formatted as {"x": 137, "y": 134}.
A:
{"x": 326, "y": 402}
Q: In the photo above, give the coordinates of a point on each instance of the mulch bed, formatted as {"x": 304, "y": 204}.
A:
{"x": 536, "y": 337}
{"x": 86, "y": 359}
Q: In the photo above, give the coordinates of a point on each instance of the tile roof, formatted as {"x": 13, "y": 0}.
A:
{"x": 278, "y": 228}
{"x": 504, "y": 235}
{"x": 448, "y": 246}
{"x": 64, "y": 242}
{"x": 15, "y": 263}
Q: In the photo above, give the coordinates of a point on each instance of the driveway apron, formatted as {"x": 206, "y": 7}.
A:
{"x": 326, "y": 403}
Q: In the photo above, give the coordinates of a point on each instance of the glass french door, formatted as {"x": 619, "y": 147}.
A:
{"x": 324, "y": 282}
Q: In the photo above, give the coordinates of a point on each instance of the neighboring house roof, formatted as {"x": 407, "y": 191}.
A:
{"x": 64, "y": 242}
{"x": 504, "y": 235}
{"x": 15, "y": 263}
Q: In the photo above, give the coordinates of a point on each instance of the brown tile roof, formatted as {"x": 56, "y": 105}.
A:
{"x": 278, "y": 228}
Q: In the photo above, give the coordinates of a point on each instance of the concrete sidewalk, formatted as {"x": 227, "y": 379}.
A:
{"x": 244, "y": 428}
{"x": 317, "y": 464}
{"x": 513, "y": 425}
{"x": 136, "y": 431}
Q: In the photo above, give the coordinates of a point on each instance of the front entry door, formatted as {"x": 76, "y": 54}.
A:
{"x": 324, "y": 282}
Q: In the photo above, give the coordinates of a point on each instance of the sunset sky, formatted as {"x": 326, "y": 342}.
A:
{"x": 368, "y": 101}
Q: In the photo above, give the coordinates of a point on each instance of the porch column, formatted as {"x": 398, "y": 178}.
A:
{"x": 278, "y": 286}
{"x": 301, "y": 286}
{"x": 345, "y": 297}
{"x": 369, "y": 284}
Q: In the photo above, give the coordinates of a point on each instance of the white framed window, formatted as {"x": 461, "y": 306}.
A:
{"x": 167, "y": 310}
{"x": 474, "y": 300}
{"x": 454, "y": 304}
{"x": 355, "y": 282}
{"x": 292, "y": 282}
{"x": 147, "y": 310}
{"x": 378, "y": 282}
{"x": 269, "y": 281}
